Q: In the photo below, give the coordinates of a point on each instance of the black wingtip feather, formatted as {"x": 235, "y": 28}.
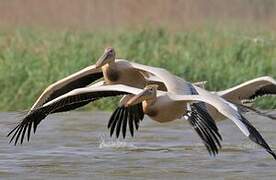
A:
{"x": 123, "y": 116}
{"x": 203, "y": 137}
{"x": 124, "y": 126}
{"x": 33, "y": 117}
{"x": 12, "y": 130}
{"x": 15, "y": 132}
{"x": 29, "y": 131}
{"x": 23, "y": 133}
{"x": 113, "y": 125}
{"x": 210, "y": 130}
{"x": 256, "y": 137}
{"x": 18, "y": 135}
{"x": 130, "y": 122}
{"x": 205, "y": 127}
{"x": 119, "y": 123}
{"x": 112, "y": 117}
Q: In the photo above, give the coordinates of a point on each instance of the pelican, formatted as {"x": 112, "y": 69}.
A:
{"x": 161, "y": 106}
{"x": 221, "y": 106}
{"x": 113, "y": 71}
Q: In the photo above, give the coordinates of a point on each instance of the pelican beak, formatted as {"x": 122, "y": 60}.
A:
{"x": 102, "y": 60}
{"x": 107, "y": 57}
{"x": 137, "y": 98}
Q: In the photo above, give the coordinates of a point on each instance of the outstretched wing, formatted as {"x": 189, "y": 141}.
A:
{"x": 79, "y": 79}
{"x": 230, "y": 111}
{"x": 76, "y": 96}
{"x": 250, "y": 90}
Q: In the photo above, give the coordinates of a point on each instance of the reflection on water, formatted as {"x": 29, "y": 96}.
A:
{"x": 77, "y": 145}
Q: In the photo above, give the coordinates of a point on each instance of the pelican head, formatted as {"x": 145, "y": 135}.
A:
{"x": 107, "y": 57}
{"x": 148, "y": 94}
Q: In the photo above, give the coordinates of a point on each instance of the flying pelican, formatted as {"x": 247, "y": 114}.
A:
{"x": 159, "y": 106}
{"x": 227, "y": 109}
{"x": 113, "y": 71}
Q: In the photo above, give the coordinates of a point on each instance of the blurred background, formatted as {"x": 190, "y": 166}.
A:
{"x": 223, "y": 42}
{"x": 171, "y": 14}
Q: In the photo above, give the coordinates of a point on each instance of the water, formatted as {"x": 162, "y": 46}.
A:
{"x": 77, "y": 145}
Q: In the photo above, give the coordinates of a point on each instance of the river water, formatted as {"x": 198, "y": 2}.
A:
{"x": 77, "y": 145}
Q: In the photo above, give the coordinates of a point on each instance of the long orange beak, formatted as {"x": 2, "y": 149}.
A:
{"x": 101, "y": 61}
{"x": 137, "y": 98}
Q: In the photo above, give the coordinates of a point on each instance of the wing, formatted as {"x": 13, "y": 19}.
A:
{"x": 250, "y": 90}
{"x": 80, "y": 95}
{"x": 79, "y": 79}
{"x": 76, "y": 105}
{"x": 173, "y": 83}
{"x": 122, "y": 116}
{"x": 230, "y": 111}
{"x": 205, "y": 127}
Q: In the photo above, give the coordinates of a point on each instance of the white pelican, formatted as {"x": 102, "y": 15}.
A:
{"x": 159, "y": 106}
{"x": 229, "y": 110}
{"x": 114, "y": 71}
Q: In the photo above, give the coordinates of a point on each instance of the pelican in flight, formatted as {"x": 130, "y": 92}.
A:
{"x": 107, "y": 67}
{"x": 161, "y": 106}
{"x": 113, "y": 71}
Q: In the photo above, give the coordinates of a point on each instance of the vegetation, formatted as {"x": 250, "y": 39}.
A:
{"x": 30, "y": 60}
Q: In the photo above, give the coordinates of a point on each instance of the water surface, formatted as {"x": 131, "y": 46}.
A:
{"x": 77, "y": 145}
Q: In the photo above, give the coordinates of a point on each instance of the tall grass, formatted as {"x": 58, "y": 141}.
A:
{"x": 30, "y": 60}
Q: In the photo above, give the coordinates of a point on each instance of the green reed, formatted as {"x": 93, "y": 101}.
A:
{"x": 30, "y": 60}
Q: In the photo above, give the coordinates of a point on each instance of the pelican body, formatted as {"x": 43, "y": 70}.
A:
{"x": 161, "y": 109}
{"x": 122, "y": 72}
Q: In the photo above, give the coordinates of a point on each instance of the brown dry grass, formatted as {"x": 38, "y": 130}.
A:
{"x": 132, "y": 13}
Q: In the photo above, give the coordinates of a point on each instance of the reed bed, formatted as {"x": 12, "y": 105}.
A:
{"x": 31, "y": 59}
